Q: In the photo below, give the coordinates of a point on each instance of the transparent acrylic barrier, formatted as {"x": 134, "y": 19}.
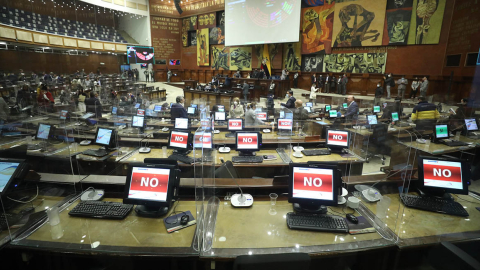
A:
{"x": 38, "y": 135}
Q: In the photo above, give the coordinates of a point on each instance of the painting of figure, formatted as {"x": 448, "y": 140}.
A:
{"x": 203, "y": 47}
{"x": 317, "y": 26}
{"x": 241, "y": 58}
{"x": 426, "y": 21}
{"x": 220, "y": 57}
{"x": 292, "y": 57}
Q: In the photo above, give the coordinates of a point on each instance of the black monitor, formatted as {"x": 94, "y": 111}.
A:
{"x": 138, "y": 121}
{"x": 157, "y": 108}
{"x": 441, "y": 132}
{"x": 137, "y": 105}
{"x": 203, "y": 140}
{"x": 309, "y": 104}
{"x": 44, "y": 131}
{"x": 338, "y": 140}
{"x": 308, "y": 109}
{"x": 221, "y": 108}
{"x": 345, "y": 105}
{"x": 181, "y": 123}
{"x": 220, "y": 116}
{"x": 312, "y": 186}
{"x": 11, "y": 171}
{"x": 372, "y": 119}
{"x": 248, "y": 142}
{"x": 327, "y": 108}
{"x": 395, "y": 117}
{"x": 151, "y": 188}
{"x": 376, "y": 109}
{"x": 471, "y": 124}
{"x": 262, "y": 116}
{"x": 180, "y": 140}
{"x": 114, "y": 110}
{"x": 332, "y": 113}
{"x": 140, "y": 112}
{"x": 105, "y": 137}
{"x": 191, "y": 110}
{"x": 438, "y": 175}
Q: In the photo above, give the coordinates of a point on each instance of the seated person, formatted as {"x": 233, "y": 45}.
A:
{"x": 352, "y": 110}
{"x": 300, "y": 113}
{"x": 251, "y": 116}
{"x": 178, "y": 110}
{"x": 208, "y": 87}
{"x": 290, "y": 102}
{"x": 425, "y": 114}
{"x": 462, "y": 111}
{"x": 93, "y": 105}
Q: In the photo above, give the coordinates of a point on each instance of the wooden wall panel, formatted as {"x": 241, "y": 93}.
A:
{"x": 38, "y": 38}
{"x": 7, "y": 33}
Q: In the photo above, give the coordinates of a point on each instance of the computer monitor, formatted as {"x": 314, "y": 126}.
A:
{"x": 194, "y": 106}
{"x": 376, "y": 109}
{"x": 327, "y": 108}
{"x": 333, "y": 113}
{"x": 150, "y": 113}
{"x": 191, "y": 110}
{"x": 282, "y": 114}
{"x": 181, "y": 141}
{"x": 441, "y": 132}
{"x": 140, "y": 112}
{"x": 312, "y": 186}
{"x": 203, "y": 140}
{"x": 285, "y": 124}
{"x": 150, "y": 187}
{"x": 395, "y": 117}
{"x": 221, "y": 108}
{"x": 338, "y": 140}
{"x": 471, "y": 124}
{"x": 44, "y": 131}
{"x": 138, "y": 121}
{"x": 87, "y": 115}
{"x": 372, "y": 119}
{"x": 262, "y": 116}
{"x": 439, "y": 175}
{"x": 220, "y": 116}
{"x": 345, "y": 105}
{"x": 105, "y": 137}
{"x": 114, "y": 110}
{"x": 11, "y": 169}
{"x": 157, "y": 108}
{"x": 309, "y": 104}
{"x": 181, "y": 123}
{"x": 235, "y": 124}
{"x": 63, "y": 114}
{"x": 137, "y": 105}
{"x": 248, "y": 142}
{"x": 289, "y": 115}
{"x": 309, "y": 109}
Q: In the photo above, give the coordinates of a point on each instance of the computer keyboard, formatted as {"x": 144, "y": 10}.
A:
{"x": 183, "y": 158}
{"x": 455, "y": 143}
{"x": 11, "y": 218}
{"x": 283, "y": 155}
{"x": 95, "y": 153}
{"x": 247, "y": 159}
{"x": 316, "y": 152}
{"x": 403, "y": 124}
{"x": 313, "y": 222}
{"x": 434, "y": 205}
{"x": 101, "y": 209}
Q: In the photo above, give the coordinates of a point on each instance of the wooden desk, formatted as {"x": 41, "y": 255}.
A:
{"x": 191, "y": 83}
{"x": 261, "y": 87}
{"x": 211, "y": 98}
{"x": 440, "y": 149}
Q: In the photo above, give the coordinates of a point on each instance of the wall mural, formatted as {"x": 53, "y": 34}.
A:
{"x": 241, "y": 58}
{"x": 355, "y": 63}
{"x": 193, "y": 38}
{"x": 217, "y": 35}
{"x": 399, "y": 13}
{"x": 220, "y": 57}
{"x": 203, "y": 47}
{"x": 359, "y": 23}
{"x": 207, "y": 21}
{"x": 312, "y": 62}
{"x": 426, "y": 21}
{"x": 317, "y": 26}
{"x": 292, "y": 57}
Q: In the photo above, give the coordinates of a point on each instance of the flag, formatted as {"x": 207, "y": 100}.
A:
{"x": 266, "y": 60}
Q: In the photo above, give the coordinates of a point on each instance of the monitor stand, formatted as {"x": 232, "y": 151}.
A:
{"x": 230, "y": 135}
{"x": 437, "y": 193}
{"x": 149, "y": 211}
{"x": 181, "y": 152}
{"x": 307, "y": 208}
{"x": 247, "y": 153}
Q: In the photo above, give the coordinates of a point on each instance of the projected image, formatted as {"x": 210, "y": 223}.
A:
{"x": 259, "y": 22}
{"x": 140, "y": 55}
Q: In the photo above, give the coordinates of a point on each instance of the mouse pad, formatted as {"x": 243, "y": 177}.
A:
{"x": 172, "y": 223}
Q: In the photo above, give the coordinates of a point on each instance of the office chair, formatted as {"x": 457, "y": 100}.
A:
{"x": 222, "y": 172}
{"x": 379, "y": 137}
{"x": 297, "y": 261}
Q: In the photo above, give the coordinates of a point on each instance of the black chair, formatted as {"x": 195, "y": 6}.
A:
{"x": 226, "y": 171}
{"x": 297, "y": 261}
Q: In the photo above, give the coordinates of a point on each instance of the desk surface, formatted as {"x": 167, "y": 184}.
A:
{"x": 439, "y": 149}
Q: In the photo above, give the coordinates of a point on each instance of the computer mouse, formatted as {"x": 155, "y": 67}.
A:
{"x": 352, "y": 218}
{"x": 265, "y": 156}
{"x": 184, "y": 220}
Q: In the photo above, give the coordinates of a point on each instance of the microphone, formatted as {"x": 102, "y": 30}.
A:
{"x": 238, "y": 200}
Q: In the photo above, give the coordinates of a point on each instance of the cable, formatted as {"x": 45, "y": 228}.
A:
{"x": 466, "y": 200}
{"x": 34, "y": 198}
{"x": 334, "y": 211}
{"x": 174, "y": 212}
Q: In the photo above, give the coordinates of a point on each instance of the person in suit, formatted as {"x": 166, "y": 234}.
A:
{"x": 333, "y": 84}
{"x": 93, "y": 105}
{"x": 251, "y": 117}
{"x": 388, "y": 81}
{"x": 352, "y": 111}
{"x": 424, "y": 87}
{"x": 320, "y": 82}
{"x": 344, "y": 82}
{"x": 147, "y": 75}
{"x": 295, "y": 80}
{"x": 246, "y": 88}
{"x": 237, "y": 74}
{"x": 327, "y": 84}
{"x": 300, "y": 113}
{"x": 378, "y": 95}
{"x": 314, "y": 79}
{"x": 291, "y": 100}
{"x": 236, "y": 110}
{"x": 178, "y": 110}
{"x": 152, "y": 77}
{"x": 402, "y": 86}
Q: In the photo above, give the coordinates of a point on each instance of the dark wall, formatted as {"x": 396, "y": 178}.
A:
{"x": 12, "y": 61}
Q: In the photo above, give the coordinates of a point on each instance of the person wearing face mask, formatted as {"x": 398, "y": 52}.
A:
{"x": 291, "y": 100}
{"x": 402, "y": 86}
{"x": 313, "y": 94}
{"x": 245, "y": 88}
{"x": 251, "y": 117}
{"x": 388, "y": 80}
{"x": 178, "y": 110}
{"x": 378, "y": 95}
{"x": 415, "y": 85}
{"x": 236, "y": 110}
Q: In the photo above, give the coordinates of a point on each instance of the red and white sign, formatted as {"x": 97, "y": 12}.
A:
{"x": 235, "y": 124}
{"x": 285, "y": 124}
{"x": 203, "y": 140}
{"x": 149, "y": 184}
{"x": 442, "y": 174}
{"x": 312, "y": 183}
{"x": 247, "y": 141}
{"x": 179, "y": 139}
{"x": 140, "y": 112}
{"x": 339, "y": 138}
{"x": 63, "y": 114}
{"x": 262, "y": 116}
